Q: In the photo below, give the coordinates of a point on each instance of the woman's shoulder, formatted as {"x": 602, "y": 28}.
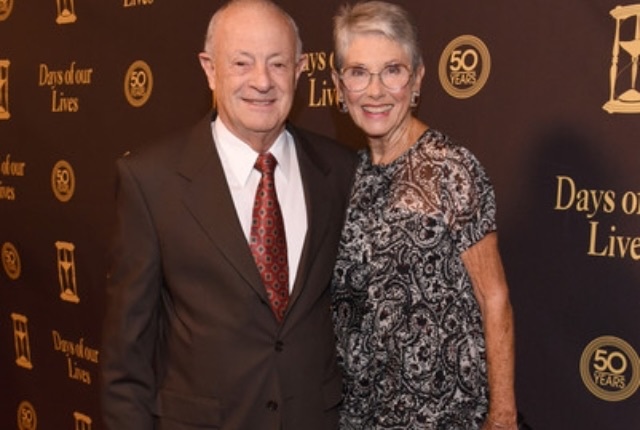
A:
{"x": 441, "y": 149}
{"x": 439, "y": 142}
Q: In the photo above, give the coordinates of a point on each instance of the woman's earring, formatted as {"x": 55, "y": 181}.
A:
{"x": 342, "y": 106}
{"x": 415, "y": 99}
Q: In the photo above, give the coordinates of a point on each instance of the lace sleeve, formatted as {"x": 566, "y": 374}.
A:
{"x": 470, "y": 198}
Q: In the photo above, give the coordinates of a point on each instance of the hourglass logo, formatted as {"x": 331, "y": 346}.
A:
{"x": 624, "y": 97}
{"x": 67, "y": 272}
{"x": 83, "y": 422}
{"x": 138, "y": 83}
{"x": 464, "y": 66}
{"x": 21, "y": 341}
{"x": 4, "y": 89}
{"x": 66, "y": 12}
{"x": 5, "y": 9}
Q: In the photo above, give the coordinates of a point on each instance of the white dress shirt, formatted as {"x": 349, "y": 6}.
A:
{"x": 238, "y": 159}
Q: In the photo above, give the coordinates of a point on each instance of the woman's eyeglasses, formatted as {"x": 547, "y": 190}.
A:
{"x": 394, "y": 77}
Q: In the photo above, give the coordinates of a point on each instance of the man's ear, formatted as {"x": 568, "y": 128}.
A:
{"x": 206, "y": 61}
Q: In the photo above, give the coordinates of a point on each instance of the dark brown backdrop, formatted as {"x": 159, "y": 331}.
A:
{"x": 565, "y": 170}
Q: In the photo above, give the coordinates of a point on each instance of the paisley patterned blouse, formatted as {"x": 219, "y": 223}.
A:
{"x": 408, "y": 326}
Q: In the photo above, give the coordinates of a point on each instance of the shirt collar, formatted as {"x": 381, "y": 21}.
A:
{"x": 241, "y": 157}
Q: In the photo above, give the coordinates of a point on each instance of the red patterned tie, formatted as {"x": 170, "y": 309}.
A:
{"x": 268, "y": 243}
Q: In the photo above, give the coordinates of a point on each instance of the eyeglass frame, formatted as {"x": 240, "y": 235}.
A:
{"x": 404, "y": 66}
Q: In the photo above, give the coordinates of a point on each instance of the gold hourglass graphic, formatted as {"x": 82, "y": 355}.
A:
{"x": 21, "y": 341}
{"x": 4, "y": 89}
{"x": 5, "y": 9}
{"x": 627, "y": 101}
{"x": 83, "y": 422}
{"x": 66, "y": 12}
{"x": 67, "y": 272}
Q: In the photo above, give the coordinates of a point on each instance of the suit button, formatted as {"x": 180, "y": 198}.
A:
{"x": 272, "y": 406}
{"x": 279, "y": 346}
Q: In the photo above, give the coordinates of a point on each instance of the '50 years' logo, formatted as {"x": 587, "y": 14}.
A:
{"x": 138, "y": 83}
{"x": 464, "y": 66}
{"x": 610, "y": 368}
{"x": 27, "y": 418}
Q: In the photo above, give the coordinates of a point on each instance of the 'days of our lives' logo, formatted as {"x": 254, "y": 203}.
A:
{"x": 464, "y": 66}
{"x": 138, "y": 83}
{"x": 610, "y": 368}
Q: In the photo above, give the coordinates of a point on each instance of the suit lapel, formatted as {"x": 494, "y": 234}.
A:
{"x": 318, "y": 201}
{"x": 209, "y": 200}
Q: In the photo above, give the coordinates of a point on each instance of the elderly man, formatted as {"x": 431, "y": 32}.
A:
{"x": 218, "y": 302}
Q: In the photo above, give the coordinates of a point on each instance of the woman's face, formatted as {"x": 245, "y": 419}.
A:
{"x": 379, "y": 111}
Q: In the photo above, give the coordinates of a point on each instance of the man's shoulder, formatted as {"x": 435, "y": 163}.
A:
{"x": 168, "y": 149}
{"x": 311, "y": 136}
{"x": 320, "y": 143}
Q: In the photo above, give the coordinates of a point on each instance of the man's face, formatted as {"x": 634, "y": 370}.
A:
{"x": 253, "y": 72}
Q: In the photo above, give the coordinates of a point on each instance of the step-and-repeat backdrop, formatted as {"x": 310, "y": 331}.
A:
{"x": 546, "y": 93}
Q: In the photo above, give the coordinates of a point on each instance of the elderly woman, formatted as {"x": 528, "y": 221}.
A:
{"x": 421, "y": 305}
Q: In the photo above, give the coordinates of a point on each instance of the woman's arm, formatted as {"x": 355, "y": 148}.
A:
{"x": 484, "y": 265}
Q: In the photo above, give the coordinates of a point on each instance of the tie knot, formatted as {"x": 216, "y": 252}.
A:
{"x": 266, "y": 163}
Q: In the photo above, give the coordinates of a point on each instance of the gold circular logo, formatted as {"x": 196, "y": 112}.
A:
{"x": 464, "y": 67}
{"x": 610, "y": 368}
{"x": 63, "y": 181}
{"x": 138, "y": 83}
{"x": 27, "y": 419}
{"x": 11, "y": 261}
{"x": 5, "y": 9}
